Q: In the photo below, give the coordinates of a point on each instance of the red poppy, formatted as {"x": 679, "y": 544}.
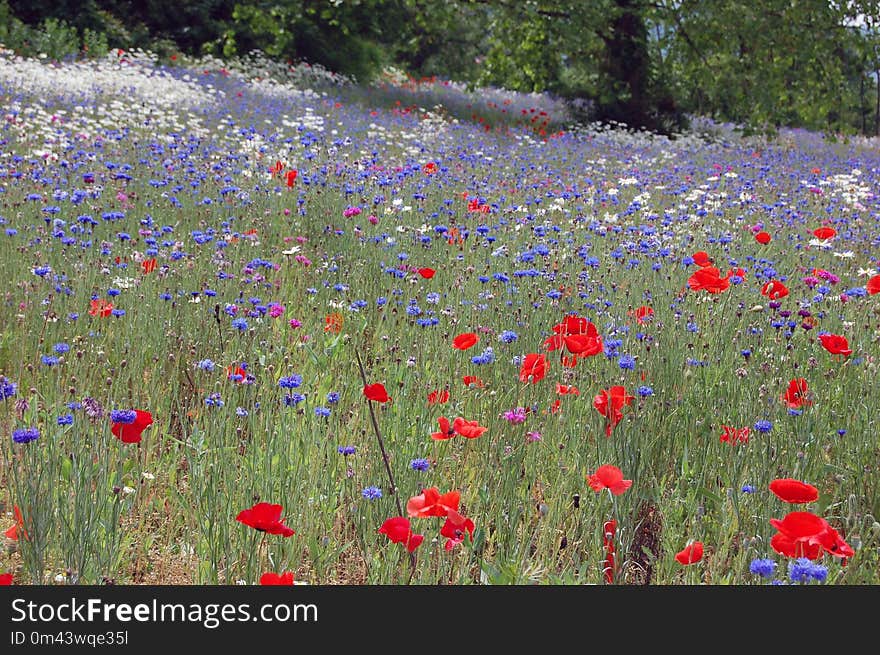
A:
{"x": 445, "y": 432}
{"x": 12, "y": 532}
{"x": 455, "y": 528}
{"x": 644, "y": 314}
{"x": 376, "y": 392}
{"x": 131, "y": 432}
{"x": 5, "y": 579}
{"x": 265, "y": 517}
{"x": 733, "y": 435}
{"x": 431, "y": 503}
{"x": 465, "y": 340}
{"x": 802, "y": 534}
{"x": 794, "y": 491}
{"x": 430, "y": 168}
{"x": 763, "y": 238}
{"x": 609, "y": 477}
{"x": 824, "y": 233}
{"x": 609, "y": 529}
{"x": 398, "y": 530}
{"x": 708, "y": 279}
{"x": 275, "y": 579}
{"x": 690, "y": 554}
{"x": 567, "y": 390}
{"x": 276, "y": 168}
{"x": 533, "y": 369}
{"x": 291, "y": 177}
{"x": 100, "y": 307}
{"x": 438, "y": 396}
{"x": 873, "y": 285}
{"x": 835, "y": 344}
{"x": 473, "y": 381}
{"x": 468, "y": 429}
{"x": 702, "y": 259}
{"x": 149, "y": 265}
{"x": 774, "y": 290}
{"x": 797, "y": 394}
{"x": 578, "y": 335}
{"x": 427, "y": 273}
{"x": 609, "y": 404}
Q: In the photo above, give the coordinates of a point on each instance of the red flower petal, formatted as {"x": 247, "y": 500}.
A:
{"x": 763, "y": 238}
{"x": 609, "y": 477}
{"x": 824, "y": 233}
{"x": 835, "y": 344}
{"x": 465, "y": 340}
{"x": 131, "y": 432}
{"x": 431, "y": 503}
{"x": 690, "y": 554}
{"x": 275, "y": 579}
{"x": 427, "y": 273}
{"x": 873, "y": 285}
{"x": 265, "y": 517}
{"x": 376, "y": 392}
{"x": 533, "y": 369}
{"x": 794, "y": 491}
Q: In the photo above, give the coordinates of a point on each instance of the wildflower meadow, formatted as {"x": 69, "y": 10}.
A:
{"x": 264, "y": 325}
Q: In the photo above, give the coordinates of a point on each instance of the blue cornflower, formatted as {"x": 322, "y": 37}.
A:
{"x": 763, "y": 425}
{"x": 241, "y": 411}
{"x": 627, "y": 362}
{"x": 420, "y": 465}
{"x": 371, "y": 493}
{"x": 803, "y": 570}
{"x": 290, "y": 381}
{"x": 508, "y": 336}
{"x": 240, "y": 324}
{"x": 645, "y": 391}
{"x": 346, "y": 450}
{"x": 333, "y": 397}
{"x": 206, "y": 365}
{"x": 123, "y": 416}
{"x": 748, "y": 489}
{"x": 74, "y": 405}
{"x": 49, "y": 360}
{"x": 62, "y": 348}
{"x": 293, "y": 399}
{"x": 322, "y": 411}
{"x": 763, "y": 567}
{"x": 113, "y": 292}
{"x": 65, "y": 419}
{"x": 118, "y": 313}
{"x": 214, "y": 400}
{"x": 7, "y": 387}
{"x": 25, "y": 435}
{"x": 486, "y": 357}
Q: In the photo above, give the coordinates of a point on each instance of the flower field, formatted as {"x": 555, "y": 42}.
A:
{"x": 263, "y": 325}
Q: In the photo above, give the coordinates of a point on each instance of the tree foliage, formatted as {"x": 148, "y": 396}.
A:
{"x": 647, "y": 63}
